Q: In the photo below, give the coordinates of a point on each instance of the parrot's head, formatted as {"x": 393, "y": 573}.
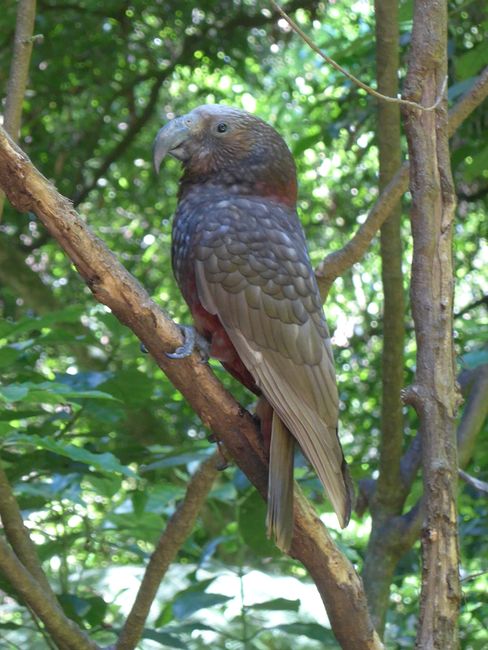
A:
{"x": 225, "y": 145}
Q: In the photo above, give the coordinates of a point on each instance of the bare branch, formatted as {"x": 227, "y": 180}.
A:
{"x": 351, "y": 77}
{"x": 481, "y": 486}
{"x": 179, "y": 527}
{"x": 475, "y": 411}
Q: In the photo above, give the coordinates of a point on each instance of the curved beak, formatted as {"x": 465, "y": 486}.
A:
{"x": 169, "y": 140}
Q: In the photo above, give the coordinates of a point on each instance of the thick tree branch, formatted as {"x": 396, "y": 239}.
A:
{"x": 19, "y": 70}
{"x": 336, "y": 263}
{"x": 65, "y": 633}
{"x": 177, "y": 530}
{"x": 339, "y": 585}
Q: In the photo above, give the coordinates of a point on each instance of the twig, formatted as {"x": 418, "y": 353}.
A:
{"x": 178, "y": 528}
{"x": 355, "y": 80}
{"x": 481, "y": 486}
{"x": 473, "y": 576}
{"x": 336, "y": 263}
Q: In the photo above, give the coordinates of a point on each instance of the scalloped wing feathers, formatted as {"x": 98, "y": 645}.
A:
{"x": 252, "y": 270}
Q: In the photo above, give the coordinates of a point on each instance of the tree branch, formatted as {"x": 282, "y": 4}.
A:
{"x": 64, "y": 632}
{"x": 339, "y": 585}
{"x": 336, "y": 263}
{"x": 177, "y": 530}
{"x": 371, "y": 91}
{"x": 18, "y": 535}
{"x": 19, "y": 70}
{"x": 481, "y": 486}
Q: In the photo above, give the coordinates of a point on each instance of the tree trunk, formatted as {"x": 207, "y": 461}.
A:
{"x": 434, "y": 394}
{"x": 382, "y": 556}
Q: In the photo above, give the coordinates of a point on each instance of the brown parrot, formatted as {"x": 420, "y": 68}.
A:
{"x": 241, "y": 262}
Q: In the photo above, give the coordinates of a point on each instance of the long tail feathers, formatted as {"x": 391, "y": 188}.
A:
{"x": 279, "y": 519}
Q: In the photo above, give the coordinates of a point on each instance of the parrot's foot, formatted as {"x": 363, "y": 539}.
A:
{"x": 143, "y": 349}
{"x": 193, "y": 340}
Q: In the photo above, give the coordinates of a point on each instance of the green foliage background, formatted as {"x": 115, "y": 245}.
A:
{"x": 97, "y": 443}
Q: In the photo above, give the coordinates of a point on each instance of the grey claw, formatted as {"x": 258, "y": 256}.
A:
{"x": 192, "y": 340}
{"x": 188, "y": 346}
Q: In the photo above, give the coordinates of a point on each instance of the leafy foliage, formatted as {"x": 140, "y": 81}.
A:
{"x": 97, "y": 443}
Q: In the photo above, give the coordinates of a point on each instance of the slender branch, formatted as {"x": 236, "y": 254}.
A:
{"x": 64, "y": 632}
{"x": 18, "y": 535}
{"x": 481, "y": 486}
{"x": 19, "y": 70}
{"x": 339, "y": 585}
{"x": 351, "y": 77}
{"x": 177, "y": 530}
{"x": 19, "y": 67}
{"x": 475, "y": 411}
{"x": 336, "y": 263}
{"x": 472, "y": 305}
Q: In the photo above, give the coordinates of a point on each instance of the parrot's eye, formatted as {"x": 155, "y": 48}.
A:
{"x": 222, "y": 127}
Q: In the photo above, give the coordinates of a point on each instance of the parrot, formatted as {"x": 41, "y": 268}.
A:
{"x": 241, "y": 262}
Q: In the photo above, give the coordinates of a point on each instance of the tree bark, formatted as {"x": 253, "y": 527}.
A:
{"x": 19, "y": 70}
{"x": 388, "y": 498}
{"x": 434, "y": 394}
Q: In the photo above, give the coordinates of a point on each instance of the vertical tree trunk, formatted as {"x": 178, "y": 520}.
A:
{"x": 381, "y": 557}
{"x": 434, "y": 394}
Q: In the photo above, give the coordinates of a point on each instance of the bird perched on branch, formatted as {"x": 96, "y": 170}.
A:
{"x": 240, "y": 259}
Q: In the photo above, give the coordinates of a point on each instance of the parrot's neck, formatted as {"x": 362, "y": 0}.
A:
{"x": 284, "y": 192}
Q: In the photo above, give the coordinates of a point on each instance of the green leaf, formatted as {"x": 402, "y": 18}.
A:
{"x": 14, "y": 392}
{"x": 190, "y": 600}
{"x": 165, "y": 639}
{"x": 50, "y": 392}
{"x": 70, "y": 314}
{"x": 106, "y": 462}
{"x": 90, "y": 610}
{"x": 8, "y": 355}
{"x": 310, "y": 630}
{"x": 279, "y": 604}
